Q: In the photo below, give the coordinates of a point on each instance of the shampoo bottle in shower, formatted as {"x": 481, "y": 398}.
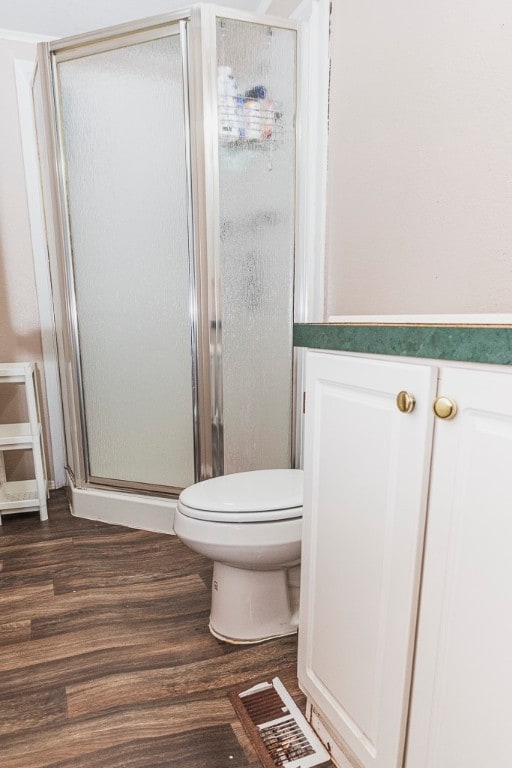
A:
{"x": 227, "y": 102}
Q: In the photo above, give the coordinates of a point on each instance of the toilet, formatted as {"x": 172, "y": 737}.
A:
{"x": 250, "y": 525}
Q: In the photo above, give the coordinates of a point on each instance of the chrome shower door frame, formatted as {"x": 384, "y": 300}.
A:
{"x": 60, "y": 244}
{"x": 203, "y": 95}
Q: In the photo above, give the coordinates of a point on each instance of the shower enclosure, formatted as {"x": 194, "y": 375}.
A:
{"x": 169, "y": 178}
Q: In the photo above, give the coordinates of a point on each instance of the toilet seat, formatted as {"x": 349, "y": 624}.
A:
{"x": 245, "y": 497}
{"x": 264, "y": 516}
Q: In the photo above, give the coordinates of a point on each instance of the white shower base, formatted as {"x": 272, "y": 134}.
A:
{"x": 144, "y": 512}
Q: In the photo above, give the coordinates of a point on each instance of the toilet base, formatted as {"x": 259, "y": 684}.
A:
{"x": 253, "y": 606}
{"x": 233, "y": 641}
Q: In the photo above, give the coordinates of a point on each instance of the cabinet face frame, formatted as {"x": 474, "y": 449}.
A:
{"x": 363, "y": 385}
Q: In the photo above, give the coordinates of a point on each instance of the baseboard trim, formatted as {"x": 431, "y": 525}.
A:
{"x": 53, "y": 486}
{"x": 340, "y": 756}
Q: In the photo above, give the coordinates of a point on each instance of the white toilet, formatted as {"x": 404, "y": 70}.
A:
{"x": 250, "y": 525}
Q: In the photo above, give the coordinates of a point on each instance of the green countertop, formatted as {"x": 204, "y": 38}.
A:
{"x": 472, "y": 344}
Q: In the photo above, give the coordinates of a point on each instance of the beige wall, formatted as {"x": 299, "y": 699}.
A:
{"x": 20, "y": 337}
{"x": 420, "y": 157}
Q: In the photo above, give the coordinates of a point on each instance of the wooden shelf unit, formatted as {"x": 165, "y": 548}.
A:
{"x": 23, "y": 495}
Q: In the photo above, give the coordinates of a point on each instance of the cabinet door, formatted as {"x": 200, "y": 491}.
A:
{"x": 461, "y": 709}
{"x": 366, "y": 478}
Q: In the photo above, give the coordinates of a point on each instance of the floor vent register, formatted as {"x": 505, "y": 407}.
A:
{"x": 277, "y": 728}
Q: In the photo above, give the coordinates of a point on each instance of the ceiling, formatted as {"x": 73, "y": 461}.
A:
{"x": 60, "y": 18}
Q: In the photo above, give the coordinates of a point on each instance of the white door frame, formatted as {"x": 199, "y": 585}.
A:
{"x": 312, "y": 182}
{"x": 313, "y": 108}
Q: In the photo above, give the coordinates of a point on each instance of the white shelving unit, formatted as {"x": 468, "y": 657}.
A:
{"x": 23, "y": 495}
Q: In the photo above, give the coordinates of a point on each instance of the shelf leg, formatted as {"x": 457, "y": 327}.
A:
{"x": 38, "y": 450}
{"x": 40, "y": 480}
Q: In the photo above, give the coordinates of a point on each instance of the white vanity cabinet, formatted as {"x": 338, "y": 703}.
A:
{"x": 369, "y": 470}
{"x": 365, "y": 490}
{"x": 461, "y": 705}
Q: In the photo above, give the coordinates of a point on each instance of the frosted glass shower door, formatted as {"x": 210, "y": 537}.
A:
{"x": 256, "y": 111}
{"x": 122, "y": 129}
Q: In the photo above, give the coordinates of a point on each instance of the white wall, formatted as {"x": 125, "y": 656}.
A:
{"x": 61, "y": 18}
{"x": 420, "y": 158}
{"x": 283, "y": 8}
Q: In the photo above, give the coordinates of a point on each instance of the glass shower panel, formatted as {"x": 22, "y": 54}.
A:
{"x": 122, "y": 123}
{"x": 256, "y": 106}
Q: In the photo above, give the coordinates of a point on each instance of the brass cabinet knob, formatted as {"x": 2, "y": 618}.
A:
{"x": 405, "y": 402}
{"x": 445, "y": 408}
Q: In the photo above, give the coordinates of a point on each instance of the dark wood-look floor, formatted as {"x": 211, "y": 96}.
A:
{"x": 106, "y": 660}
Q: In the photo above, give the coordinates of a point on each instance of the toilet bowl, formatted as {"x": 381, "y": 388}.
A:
{"x": 250, "y": 525}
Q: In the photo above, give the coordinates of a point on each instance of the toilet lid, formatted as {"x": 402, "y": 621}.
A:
{"x": 258, "y": 496}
